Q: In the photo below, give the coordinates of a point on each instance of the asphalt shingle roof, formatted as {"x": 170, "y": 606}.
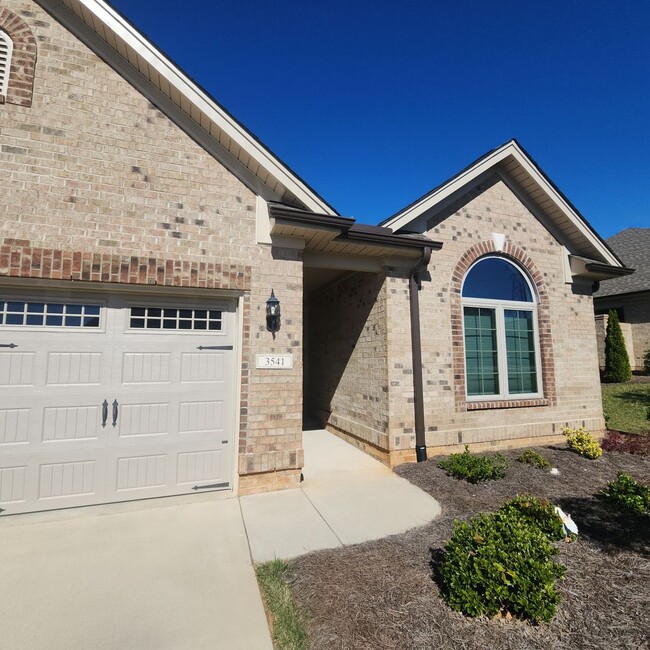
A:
{"x": 633, "y": 247}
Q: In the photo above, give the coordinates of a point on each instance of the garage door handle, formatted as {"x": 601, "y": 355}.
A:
{"x": 8, "y": 345}
{"x": 104, "y": 413}
{"x": 215, "y": 347}
{"x": 115, "y": 405}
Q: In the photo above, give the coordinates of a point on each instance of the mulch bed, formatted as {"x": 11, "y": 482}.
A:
{"x": 381, "y": 594}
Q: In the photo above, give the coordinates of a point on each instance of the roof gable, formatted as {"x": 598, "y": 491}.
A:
{"x": 141, "y": 63}
{"x": 531, "y": 185}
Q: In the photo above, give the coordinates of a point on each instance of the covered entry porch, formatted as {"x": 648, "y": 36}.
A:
{"x": 360, "y": 321}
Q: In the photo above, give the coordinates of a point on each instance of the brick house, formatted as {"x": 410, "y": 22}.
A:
{"x": 628, "y": 295}
{"x": 144, "y": 230}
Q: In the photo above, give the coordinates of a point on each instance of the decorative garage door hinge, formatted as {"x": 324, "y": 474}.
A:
{"x": 212, "y": 486}
{"x": 8, "y": 345}
{"x": 215, "y": 347}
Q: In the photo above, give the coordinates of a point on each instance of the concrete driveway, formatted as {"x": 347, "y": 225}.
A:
{"x": 164, "y": 574}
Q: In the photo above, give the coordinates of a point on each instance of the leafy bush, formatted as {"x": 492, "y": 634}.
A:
{"x": 617, "y": 362}
{"x": 534, "y": 458}
{"x": 474, "y": 469}
{"x": 646, "y": 362}
{"x": 497, "y": 563}
{"x": 582, "y": 442}
{"x": 536, "y": 512}
{"x": 628, "y": 494}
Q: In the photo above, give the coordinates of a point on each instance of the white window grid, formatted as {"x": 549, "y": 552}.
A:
{"x": 6, "y": 51}
{"x": 175, "y": 319}
{"x": 500, "y": 307}
{"x": 22, "y": 313}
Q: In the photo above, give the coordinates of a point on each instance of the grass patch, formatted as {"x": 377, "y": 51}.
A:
{"x": 626, "y": 406}
{"x": 287, "y": 626}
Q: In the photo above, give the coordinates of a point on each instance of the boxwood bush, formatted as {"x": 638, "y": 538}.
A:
{"x": 536, "y": 512}
{"x": 534, "y": 458}
{"x": 498, "y": 563}
{"x": 474, "y": 469}
{"x": 627, "y": 494}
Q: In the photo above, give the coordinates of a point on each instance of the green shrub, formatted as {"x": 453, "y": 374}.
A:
{"x": 582, "y": 442}
{"x": 534, "y": 458}
{"x": 646, "y": 362}
{"x": 536, "y": 512}
{"x": 617, "y": 361}
{"x": 497, "y": 563}
{"x": 628, "y": 494}
{"x": 474, "y": 469}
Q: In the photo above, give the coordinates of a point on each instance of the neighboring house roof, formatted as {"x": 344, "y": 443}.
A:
{"x": 113, "y": 38}
{"x": 633, "y": 247}
{"x": 532, "y": 186}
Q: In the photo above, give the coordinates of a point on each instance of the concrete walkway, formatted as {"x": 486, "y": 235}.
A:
{"x": 162, "y": 574}
{"x": 176, "y": 573}
{"x": 347, "y": 497}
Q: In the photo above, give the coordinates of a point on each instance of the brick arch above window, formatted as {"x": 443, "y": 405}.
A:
{"x": 20, "y": 83}
{"x": 520, "y": 256}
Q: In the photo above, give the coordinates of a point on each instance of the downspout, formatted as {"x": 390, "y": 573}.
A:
{"x": 416, "y": 349}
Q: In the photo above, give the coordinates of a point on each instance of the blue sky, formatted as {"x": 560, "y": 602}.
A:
{"x": 375, "y": 103}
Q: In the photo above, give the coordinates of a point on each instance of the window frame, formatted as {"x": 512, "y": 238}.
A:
{"x": 46, "y": 301}
{"x": 4, "y": 83}
{"x": 500, "y": 307}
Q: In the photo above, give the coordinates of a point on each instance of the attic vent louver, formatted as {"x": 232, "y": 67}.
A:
{"x": 6, "y": 50}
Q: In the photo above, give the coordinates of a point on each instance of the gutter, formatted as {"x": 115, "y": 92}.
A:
{"x": 416, "y": 351}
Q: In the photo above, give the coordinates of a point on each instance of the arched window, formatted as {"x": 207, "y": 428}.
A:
{"x": 500, "y": 329}
{"x": 6, "y": 50}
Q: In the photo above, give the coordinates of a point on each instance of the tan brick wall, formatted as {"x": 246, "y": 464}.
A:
{"x": 347, "y": 384}
{"x": 100, "y": 186}
{"x": 636, "y": 309}
{"x": 572, "y": 390}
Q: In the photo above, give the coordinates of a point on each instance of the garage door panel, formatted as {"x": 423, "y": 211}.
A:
{"x": 14, "y": 426}
{"x": 146, "y": 368}
{"x": 206, "y": 465}
{"x": 71, "y": 423}
{"x": 201, "y": 367}
{"x": 74, "y": 369}
{"x": 13, "y": 485}
{"x": 17, "y": 369}
{"x": 144, "y": 419}
{"x": 52, "y": 478}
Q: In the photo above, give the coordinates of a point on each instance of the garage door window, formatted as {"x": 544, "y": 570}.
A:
{"x": 168, "y": 318}
{"x": 48, "y": 314}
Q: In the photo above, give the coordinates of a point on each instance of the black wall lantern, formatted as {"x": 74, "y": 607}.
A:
{"x": 272, "y": 314}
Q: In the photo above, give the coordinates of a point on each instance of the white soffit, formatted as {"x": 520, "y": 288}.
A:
{"x": 578, "y": 235}
{"x": 279, "y": 182}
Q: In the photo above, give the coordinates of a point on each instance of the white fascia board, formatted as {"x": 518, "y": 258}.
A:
{"x": 124, "y": 31}
{"x": 559, "y": 200}
{"x": 509, "y": 149}
{"x": 429, "y": 201}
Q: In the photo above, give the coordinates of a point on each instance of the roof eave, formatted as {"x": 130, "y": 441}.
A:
{"x": 209, "y": 110}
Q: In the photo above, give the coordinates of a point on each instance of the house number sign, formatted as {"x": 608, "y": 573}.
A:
{"x": 276, "y": 361}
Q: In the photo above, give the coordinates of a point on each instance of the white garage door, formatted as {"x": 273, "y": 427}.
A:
{"x": 111, "y": 398}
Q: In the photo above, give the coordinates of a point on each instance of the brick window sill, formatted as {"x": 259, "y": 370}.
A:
{"x": 506, "y": 404}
